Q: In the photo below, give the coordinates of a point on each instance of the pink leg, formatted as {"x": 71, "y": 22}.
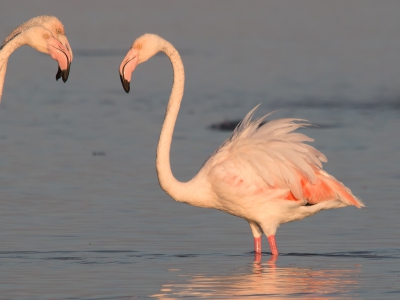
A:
{"x": 257, "y": 244}
{"x": 272, "y": 245}
{"x": 257, "y": 250}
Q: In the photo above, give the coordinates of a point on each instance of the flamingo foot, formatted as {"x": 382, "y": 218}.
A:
{"x": 257, "y": 244}
{"x": 272, "y": 245}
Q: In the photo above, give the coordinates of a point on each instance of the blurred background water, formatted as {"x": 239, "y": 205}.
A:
{"x": 82, "y": 215}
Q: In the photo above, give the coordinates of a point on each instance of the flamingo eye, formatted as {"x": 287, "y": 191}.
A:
{"x": 58, "y": 30}
{"x": 139, "y": 46}
{"x": 46, "y": 36}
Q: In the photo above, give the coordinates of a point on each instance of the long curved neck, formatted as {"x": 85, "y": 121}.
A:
{"x": 168, "y": 182}
{"x": 3, "y": 70}
{"x": 5, "y": 51}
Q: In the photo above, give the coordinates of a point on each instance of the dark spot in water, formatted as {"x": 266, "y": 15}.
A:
{"x": 229, "y": 125}
{"x": 64, "y": 258}
{"x": 225, "y": 125}
{"x": 186, "y": 255}
{"x": 98, "y": 153}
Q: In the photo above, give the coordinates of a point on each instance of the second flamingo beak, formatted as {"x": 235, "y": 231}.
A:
{"x": 63, "y": 39}
{"x": 62, "y": 55}
{"x": 127, "y": 66}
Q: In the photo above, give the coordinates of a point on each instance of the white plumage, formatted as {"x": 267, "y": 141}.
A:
{"x": 264, "y": 173}
{"x": 43, "y": 33}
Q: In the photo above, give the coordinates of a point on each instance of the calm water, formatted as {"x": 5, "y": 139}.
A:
{"x": 82, "y": 215}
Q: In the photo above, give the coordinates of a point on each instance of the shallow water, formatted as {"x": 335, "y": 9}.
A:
{"x": 82, "y": 215}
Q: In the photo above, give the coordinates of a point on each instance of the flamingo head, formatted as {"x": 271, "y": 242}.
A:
{"x": 43, "y": 40}
{"x": 57, "y": 29}
{"x": 142, "y": 49}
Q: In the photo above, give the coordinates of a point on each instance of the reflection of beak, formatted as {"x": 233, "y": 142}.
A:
{"x": 62, "y": 55}
{"x": 126, "y": 68}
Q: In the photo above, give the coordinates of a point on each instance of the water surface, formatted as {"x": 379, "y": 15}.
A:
{"x": 82, "y": 214}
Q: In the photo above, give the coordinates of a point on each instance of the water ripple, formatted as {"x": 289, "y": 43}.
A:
{"x": 102, "y": 255}
{"x": 354, "y": 254}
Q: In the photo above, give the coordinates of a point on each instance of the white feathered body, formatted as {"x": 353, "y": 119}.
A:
{"x": 267, "y": 175}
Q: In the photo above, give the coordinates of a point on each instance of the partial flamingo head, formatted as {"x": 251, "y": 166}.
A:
{"x": 43, "y": 40}
{"x": 54, "y": 25}
{"x": 57, "y": 29}
{"x": 142, "y": 49}
{"x": 60, "y": 73}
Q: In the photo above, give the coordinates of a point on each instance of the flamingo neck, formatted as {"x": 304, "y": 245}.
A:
{"x": 3, "y": 70}
{"x": 173, "y": 187}
{"x": 6, "y": 49}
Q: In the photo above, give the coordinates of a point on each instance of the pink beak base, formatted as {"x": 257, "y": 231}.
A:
{"x": 127, "y": 66}
{"x": 61, "y": 54}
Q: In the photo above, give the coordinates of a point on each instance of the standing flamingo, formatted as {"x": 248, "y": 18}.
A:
{"x": 264, "y": 174}
{"x": 21, "y": 35}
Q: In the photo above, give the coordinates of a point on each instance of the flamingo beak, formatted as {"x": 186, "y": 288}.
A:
{"x": 62, "y": 55}
{"x": 126, "y": 68}
{"x": 63, "y": 39}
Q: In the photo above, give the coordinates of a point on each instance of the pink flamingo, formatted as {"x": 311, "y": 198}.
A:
{"x": 35, "y": 32}
{"x": 264, "y": 174}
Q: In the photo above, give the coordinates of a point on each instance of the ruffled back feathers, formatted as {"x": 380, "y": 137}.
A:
{"x": 280, "y": 156}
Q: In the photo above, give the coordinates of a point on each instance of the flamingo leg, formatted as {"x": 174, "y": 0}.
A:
{"x": 272, "y": 245}
{"x": 257, "y": 249}
{"x": 257, "y": 244}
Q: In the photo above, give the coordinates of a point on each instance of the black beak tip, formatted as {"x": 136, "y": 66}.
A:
{"x": 125, "y": 84}
{"x": 59, "y": 73}
{"x": 62, "y": 74}
{"x": 65, "y": 75}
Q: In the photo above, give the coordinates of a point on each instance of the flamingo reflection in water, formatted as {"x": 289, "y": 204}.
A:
{"x": 266, "y": 280}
